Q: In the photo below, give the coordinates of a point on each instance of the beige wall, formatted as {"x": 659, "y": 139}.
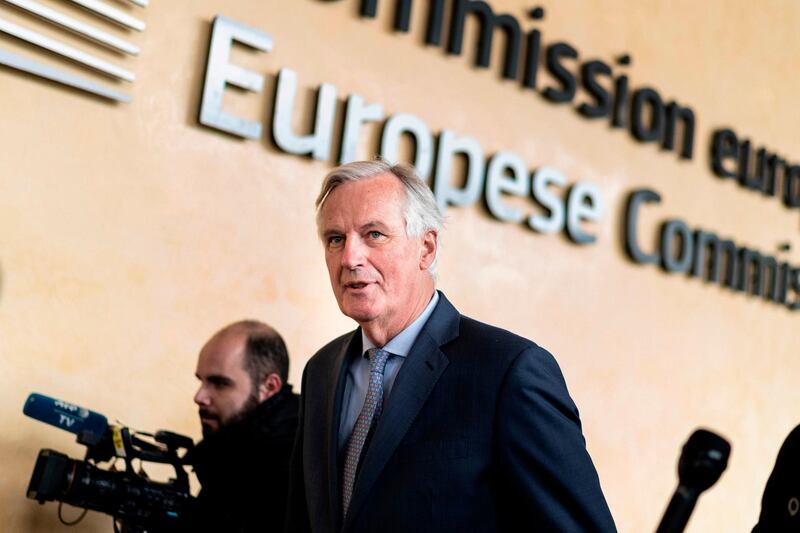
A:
{"x": 129, "y": 233}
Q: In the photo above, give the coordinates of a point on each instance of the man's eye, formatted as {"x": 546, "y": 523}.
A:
{"x": 375, "y": 234}
{"x": 335, "y": 240}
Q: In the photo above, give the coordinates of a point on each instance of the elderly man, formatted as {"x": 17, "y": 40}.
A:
{"x": 249, "y": 417}
{"x": 423, "y": 419}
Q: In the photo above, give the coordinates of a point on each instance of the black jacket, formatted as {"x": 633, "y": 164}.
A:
{"x": 780, "y": 506}
{"x": 244, "y": 470}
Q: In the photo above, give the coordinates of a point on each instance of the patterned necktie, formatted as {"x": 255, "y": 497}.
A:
{"x": 366, "y": 419}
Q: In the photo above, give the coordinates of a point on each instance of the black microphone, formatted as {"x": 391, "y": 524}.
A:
{"x": 88, "y": 425}
{"x": 703, "y": 459}
{"x": 780, "y": 506}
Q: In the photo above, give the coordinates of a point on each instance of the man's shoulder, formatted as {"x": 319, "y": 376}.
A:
{"x": 464, "y": 336}
{"x": 496, "y": 346}
{"x": 481, "y": 334}
{"x": 287, "y": 406}
{"x": 327, "y": 354}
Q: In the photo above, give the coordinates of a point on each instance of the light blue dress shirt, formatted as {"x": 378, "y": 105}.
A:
{"x": 357, "y": 381}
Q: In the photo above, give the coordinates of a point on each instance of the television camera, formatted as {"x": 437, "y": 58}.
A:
{"x": 136, "y": 503}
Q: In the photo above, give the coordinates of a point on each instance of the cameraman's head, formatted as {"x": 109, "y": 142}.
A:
{"x": 241, "y": 366}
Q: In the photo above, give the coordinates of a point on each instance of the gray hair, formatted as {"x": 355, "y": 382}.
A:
{"x": 421, "y": 212}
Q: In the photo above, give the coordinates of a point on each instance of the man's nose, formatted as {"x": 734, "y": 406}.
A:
{"x": 201, "y": 396}
{"x": 354, "y": 253}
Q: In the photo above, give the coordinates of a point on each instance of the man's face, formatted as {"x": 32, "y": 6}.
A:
{"x": 226, "y": 391}
{"x": 378, "y": 274}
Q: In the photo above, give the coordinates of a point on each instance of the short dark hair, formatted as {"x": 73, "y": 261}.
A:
{"x": 265, "y": 352}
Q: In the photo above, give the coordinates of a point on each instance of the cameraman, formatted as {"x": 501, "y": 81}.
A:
{"x": 249, "y": 418}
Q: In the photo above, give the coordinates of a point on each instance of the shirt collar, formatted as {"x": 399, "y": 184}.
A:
{"x": 402, "y": 342}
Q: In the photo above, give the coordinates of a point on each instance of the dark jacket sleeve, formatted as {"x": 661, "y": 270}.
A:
{"x": 549, "y": 481}
{"x": 297, "y": 520}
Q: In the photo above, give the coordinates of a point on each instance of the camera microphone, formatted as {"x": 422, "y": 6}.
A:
{"x": 89, "y": 426}
{"x": 703, "y": 459}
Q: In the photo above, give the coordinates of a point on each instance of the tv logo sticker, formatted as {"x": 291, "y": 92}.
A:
{"x": 65, "y": 420}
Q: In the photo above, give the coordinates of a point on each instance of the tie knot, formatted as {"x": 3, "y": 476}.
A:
{"x": 377, "y": 360}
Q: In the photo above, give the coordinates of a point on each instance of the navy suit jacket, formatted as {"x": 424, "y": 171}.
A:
{"x": 478, "y": 434}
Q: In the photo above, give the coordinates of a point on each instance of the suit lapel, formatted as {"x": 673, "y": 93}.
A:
{"x": 350, "y": 347}
{"x": 415, "y": 381}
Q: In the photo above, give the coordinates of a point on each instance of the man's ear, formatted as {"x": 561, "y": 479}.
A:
{"x": 269, "y": 387}
{"x": 430, "y": 242}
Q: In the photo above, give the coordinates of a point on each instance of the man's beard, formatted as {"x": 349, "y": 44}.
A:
{"x": 249, "y": 405}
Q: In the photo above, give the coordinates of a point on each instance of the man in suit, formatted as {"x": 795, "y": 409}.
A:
{"x": 423, "y": 419}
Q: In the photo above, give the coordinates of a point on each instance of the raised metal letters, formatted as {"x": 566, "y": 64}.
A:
{"x": 219, "y": 72}
{"x": 357, "y": 113}
{"x": 318, "y": 143}
{"x": 64, "y": 50}
{"x": 94, "y": 35}
{"x": 449, "y": 146}
{"x": 111, "y": 13}
{"x": 543, "y": 178}
{"x": 631, "y": 223}
{"x": 583, "y": 203}
{"x": 49, "y": 73}
{"x": 702, "y": 254}
{"x": 497, "y": 182}
{"x": 75, "y": 26}
{"x": 402, "y": 123}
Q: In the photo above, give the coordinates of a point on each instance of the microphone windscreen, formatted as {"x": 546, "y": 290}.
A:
{"x": 66, "y": 416}
{"x": 704, "y": 458}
